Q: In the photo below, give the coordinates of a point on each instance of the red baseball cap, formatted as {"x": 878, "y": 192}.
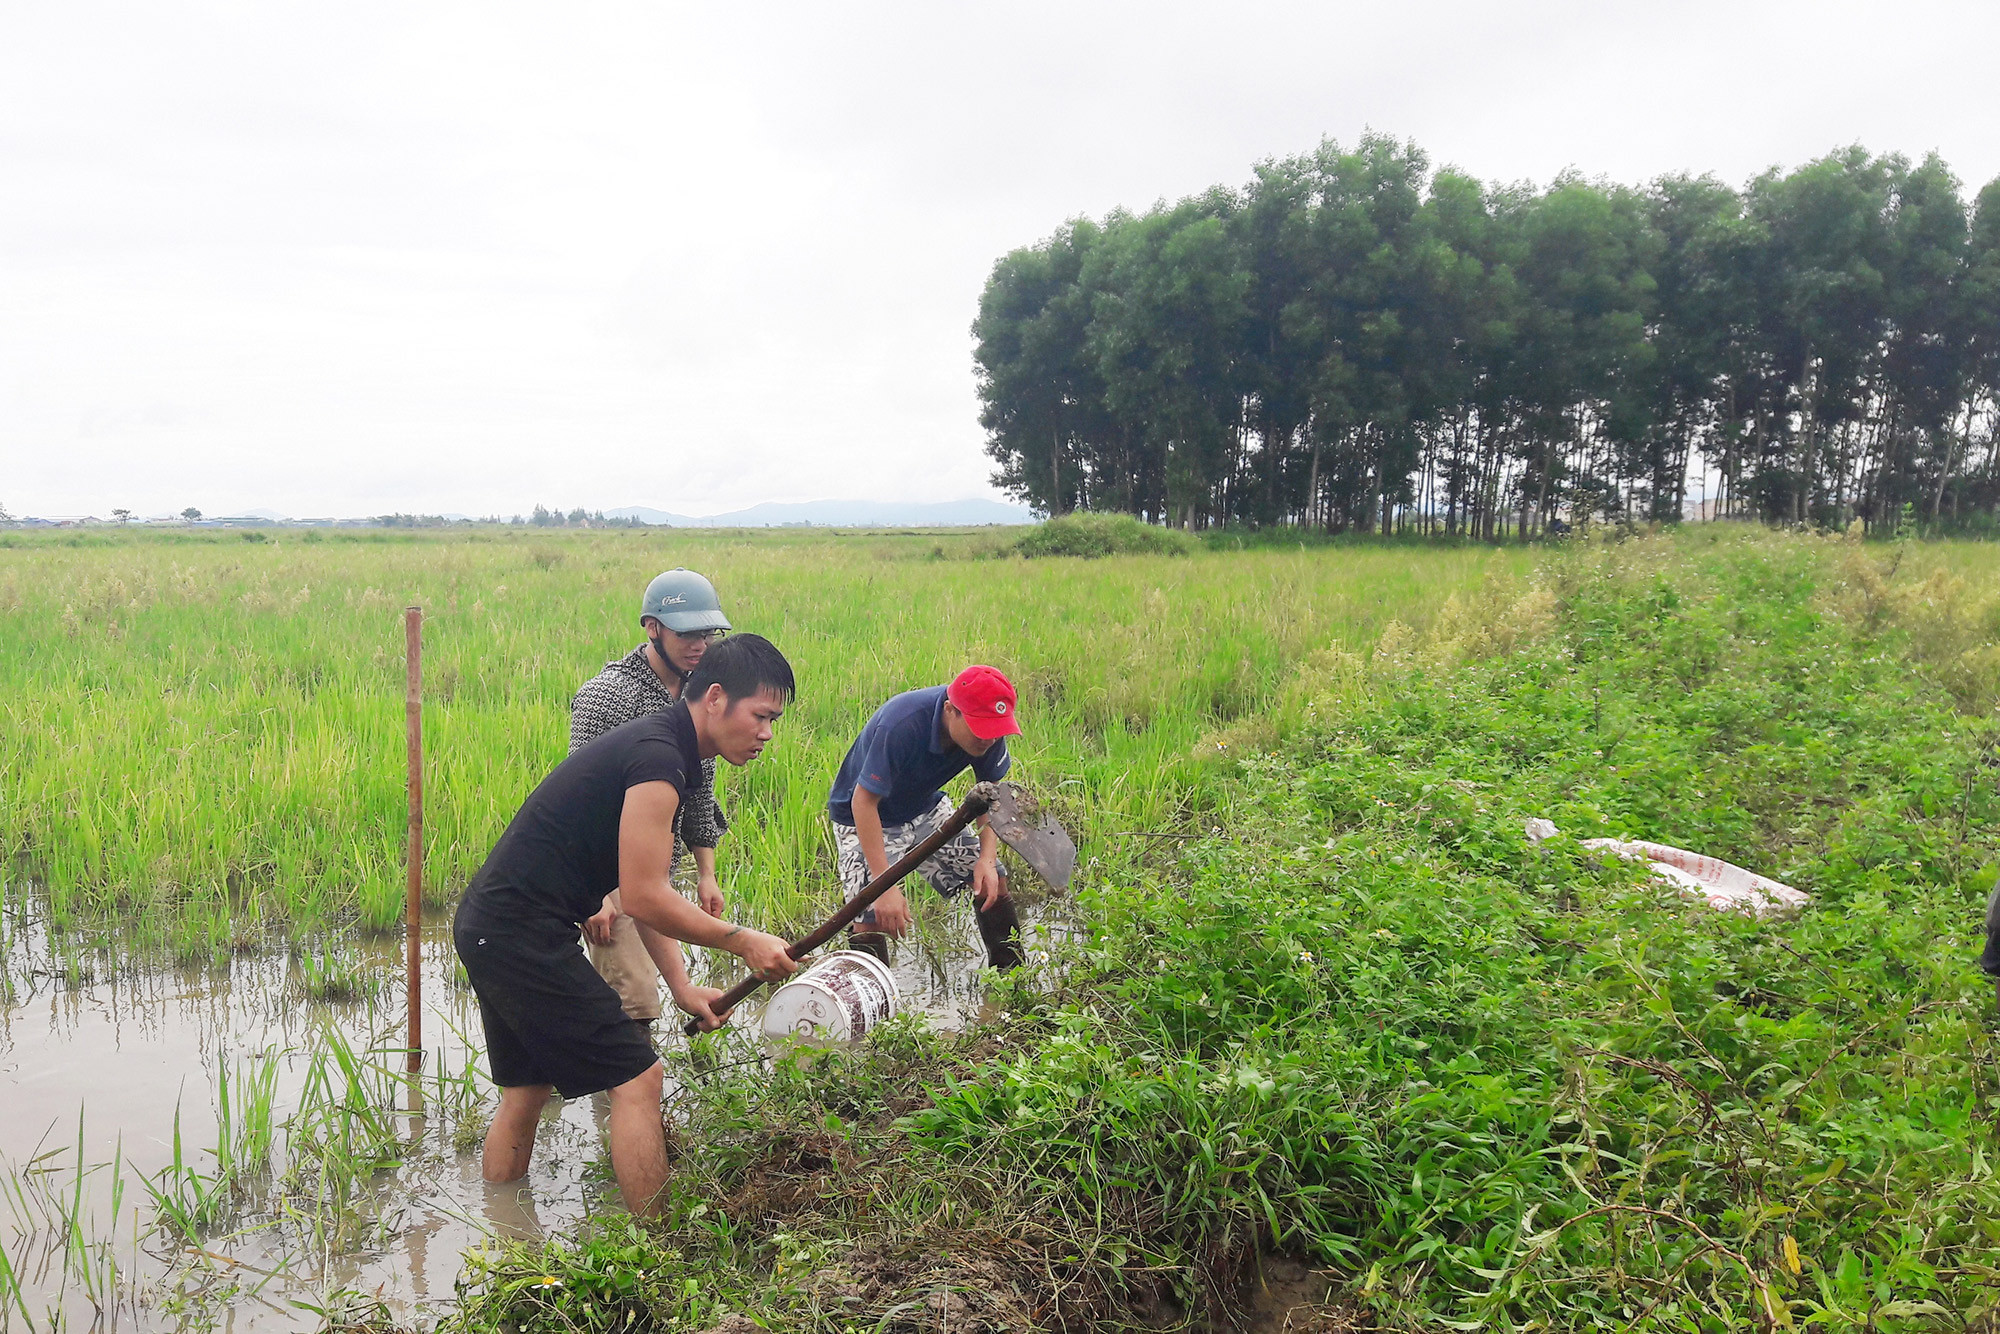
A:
{"x": 986, "y": 697}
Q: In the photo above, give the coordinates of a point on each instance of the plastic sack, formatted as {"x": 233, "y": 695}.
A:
{"x": 1722, "y": 885}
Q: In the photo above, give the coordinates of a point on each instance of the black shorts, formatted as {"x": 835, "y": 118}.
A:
{"x": 549, "y": 1018}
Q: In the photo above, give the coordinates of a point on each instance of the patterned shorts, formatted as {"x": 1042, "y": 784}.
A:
{"x": 948, "y": 870}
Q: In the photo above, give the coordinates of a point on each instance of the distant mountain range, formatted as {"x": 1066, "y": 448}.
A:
{"x": 840, "y": 514}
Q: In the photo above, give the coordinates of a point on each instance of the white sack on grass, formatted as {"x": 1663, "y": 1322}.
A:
{"x": 1722, "y": 885}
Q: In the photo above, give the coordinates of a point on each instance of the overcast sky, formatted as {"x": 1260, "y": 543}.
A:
{"x": 344, "y": 259}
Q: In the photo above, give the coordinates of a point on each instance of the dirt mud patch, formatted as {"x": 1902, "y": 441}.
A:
{"x": 1287, "y": 1296}
{"x": 964, "y": 1291}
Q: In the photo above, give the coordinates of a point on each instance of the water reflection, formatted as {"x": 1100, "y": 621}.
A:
{"x": 110, "y": 1070}
{"x": 510, "y": 1211}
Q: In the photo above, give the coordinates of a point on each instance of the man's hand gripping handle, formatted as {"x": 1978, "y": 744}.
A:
{"x": 977, "y": 802}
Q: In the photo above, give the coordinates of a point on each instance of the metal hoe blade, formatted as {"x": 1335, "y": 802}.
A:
{"x": 1025, "y": 827}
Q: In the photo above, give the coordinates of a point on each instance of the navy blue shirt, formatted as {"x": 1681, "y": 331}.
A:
{"x": 905, "y": 757}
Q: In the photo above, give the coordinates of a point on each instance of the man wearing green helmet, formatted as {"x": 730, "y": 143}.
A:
{"x": 681, "y": 616}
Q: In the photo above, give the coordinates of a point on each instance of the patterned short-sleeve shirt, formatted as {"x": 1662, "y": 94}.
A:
{"x": 628, "y": 689}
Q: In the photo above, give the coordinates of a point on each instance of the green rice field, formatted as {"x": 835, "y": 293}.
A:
{"x": 1321, "y": 1042}
{"x": 201, "y": 736}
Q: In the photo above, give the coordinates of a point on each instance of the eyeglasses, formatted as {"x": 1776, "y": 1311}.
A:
{"x": 699, "y": 634}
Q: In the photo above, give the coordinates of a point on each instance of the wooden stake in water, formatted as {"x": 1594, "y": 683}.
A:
{"x": 413, "y": 710}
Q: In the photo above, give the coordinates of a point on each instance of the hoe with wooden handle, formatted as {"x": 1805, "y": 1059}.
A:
{"x": 1042, "y": 843}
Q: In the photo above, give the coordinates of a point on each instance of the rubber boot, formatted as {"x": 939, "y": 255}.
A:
{"x": 869, "y": 942}
{"x": 1000, "y": 928}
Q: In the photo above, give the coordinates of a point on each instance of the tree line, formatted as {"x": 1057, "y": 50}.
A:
{"x": 543, "y": 517}
{"x": 1352, "y": 341}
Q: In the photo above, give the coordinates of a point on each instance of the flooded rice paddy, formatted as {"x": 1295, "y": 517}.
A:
{"x": 235, "y": 1145}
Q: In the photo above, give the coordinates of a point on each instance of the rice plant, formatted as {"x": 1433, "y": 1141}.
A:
{"x": 206, "y": 737}
{"x": 64, "y": 1246}
{"x": 326, "y": 972}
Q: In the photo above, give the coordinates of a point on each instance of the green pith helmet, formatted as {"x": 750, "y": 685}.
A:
{"x": 684, "y": 601}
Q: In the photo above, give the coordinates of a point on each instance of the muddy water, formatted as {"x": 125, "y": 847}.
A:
{"x": 99, "y": 1059}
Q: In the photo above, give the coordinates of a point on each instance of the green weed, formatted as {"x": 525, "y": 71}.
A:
{"x": 1359, "y": 1018}
{"x": 1512, "y": 1085}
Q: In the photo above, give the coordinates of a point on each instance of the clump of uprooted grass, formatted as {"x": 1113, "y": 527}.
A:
{"x": 1362, "y": 1022}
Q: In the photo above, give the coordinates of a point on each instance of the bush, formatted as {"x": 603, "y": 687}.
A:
{"x": 1363, "y": 1021}
{"x": 1092, "y": 535}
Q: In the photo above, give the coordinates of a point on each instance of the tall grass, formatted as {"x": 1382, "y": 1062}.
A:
{"x": 204, "y": 735}
{"x": 1360, "y": 1020}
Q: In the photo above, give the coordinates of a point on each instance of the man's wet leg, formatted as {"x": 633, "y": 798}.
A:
{"x": 510, "y": 1139}
{"x": 639, "y": 1142}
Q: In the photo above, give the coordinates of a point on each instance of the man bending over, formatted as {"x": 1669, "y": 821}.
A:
{"x": 888, "y": 797}
{"x": 604, "y": 819}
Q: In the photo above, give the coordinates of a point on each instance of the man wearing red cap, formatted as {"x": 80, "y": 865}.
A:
{"x": 889, "y": 797}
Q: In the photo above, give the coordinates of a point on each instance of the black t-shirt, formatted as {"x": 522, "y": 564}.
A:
{"x": 559, "y": 856}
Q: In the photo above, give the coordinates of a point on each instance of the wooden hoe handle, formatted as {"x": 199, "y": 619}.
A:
{"x": 977, "y": 802}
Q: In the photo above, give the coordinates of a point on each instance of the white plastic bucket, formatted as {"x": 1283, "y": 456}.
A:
{"x": 838, "y": 999}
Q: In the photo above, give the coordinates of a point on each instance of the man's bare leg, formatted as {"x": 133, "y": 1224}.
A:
{"x": 510, "y": 1139}
{"x": 638, "y": 1144}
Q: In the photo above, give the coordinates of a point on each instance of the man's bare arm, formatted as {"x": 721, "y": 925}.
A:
{"x": 892, "y": 911}
{"x": 597, "y": 926}
{"x": 666, "y": 954}
{"x": 988, "y": 887}
{"x": 646, "y": 890}
{"x": 708, "y": 891}
{"x": 667, "y": 957}
{"x": 868, "y": 828}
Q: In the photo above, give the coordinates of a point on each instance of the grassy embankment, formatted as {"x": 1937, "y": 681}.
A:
{"x": 1361, "y": 1021}
{"x": 201, "y": 735}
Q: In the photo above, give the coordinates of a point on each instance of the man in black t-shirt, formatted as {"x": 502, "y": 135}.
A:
{"x": 604, "y": 819}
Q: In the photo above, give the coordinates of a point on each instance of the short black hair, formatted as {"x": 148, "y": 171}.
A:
{"x": 743, "y": 665}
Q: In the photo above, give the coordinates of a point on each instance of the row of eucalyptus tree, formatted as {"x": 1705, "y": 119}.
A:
{"x": 1352, "y": 341}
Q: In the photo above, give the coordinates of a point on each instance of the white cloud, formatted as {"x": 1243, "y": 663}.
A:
{"x": 346, "y": 258}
